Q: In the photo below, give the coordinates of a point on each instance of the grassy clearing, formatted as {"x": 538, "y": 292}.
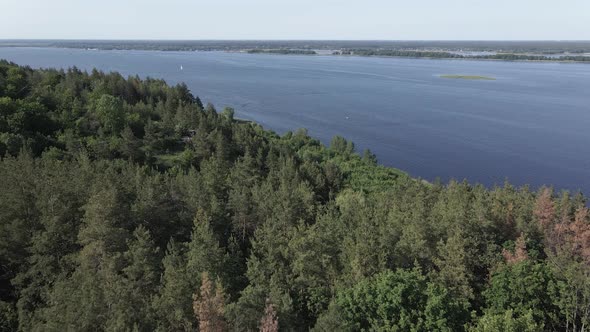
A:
{"x": 468, "y": 77}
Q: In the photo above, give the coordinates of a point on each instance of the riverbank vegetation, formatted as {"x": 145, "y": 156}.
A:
{"x": 451, "y": 55}
{"x": 567, "y": 51}
{"x": 127, "y": 204}
{"x": 282, "y": 51}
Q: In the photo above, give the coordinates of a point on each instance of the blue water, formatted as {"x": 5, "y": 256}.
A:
{"x": 530, "y": 125}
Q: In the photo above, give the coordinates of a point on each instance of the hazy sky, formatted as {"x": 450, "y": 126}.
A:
{"x": 295, "y": 19}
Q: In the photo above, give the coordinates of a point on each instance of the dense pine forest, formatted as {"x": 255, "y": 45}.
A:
{"x": 128, "y": 205}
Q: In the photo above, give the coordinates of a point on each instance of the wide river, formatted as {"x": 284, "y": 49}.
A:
{"x": 530, "y": 125}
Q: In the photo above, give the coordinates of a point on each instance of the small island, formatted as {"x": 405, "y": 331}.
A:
{"x": 468, "y": 77}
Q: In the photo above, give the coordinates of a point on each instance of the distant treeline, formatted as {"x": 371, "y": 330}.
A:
{"x": 399, "y": 53}
{"x": 508, "y": 56}
{"x": 283, "y": 51}
{"x": 517, "y": 47}
{"x": 448, "y": 55}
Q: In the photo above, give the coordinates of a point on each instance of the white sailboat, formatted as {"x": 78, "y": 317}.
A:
{"x": 181, "y": 67}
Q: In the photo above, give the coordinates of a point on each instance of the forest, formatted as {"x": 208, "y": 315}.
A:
{"x": 449, "y": 55}
{"x": 128, "y": 205}
{"x": 282, "y": 51}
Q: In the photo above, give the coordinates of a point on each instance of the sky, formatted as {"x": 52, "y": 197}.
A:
{"x": 296, "y": 19}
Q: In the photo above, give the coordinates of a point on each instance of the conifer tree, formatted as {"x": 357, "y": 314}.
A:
{"x": 270, "y": 321}
{"x": 519, "y": 254}
{"x": 209, "y": 306}
{"x": 204, "y": 253}
{"x": 173, "y": 304}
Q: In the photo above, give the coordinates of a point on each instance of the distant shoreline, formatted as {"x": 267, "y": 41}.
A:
{"x": 314, "y": 52}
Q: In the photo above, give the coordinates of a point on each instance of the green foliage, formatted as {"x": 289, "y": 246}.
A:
{"x": 341, "y": 145}
{"x": 571, "y": 292}
{"x": 204, "y": 253}
{"x": 524, "y": 288}
{"x": 173, "y": 304}
{"x": 118, "y": 194}
{"x": 8, "y": 317}
{"x": 506, "y": 322}
{"x": 15, "y": 82}
{"x": 109, "y": 110}
{"x": 399, "y": 301}
{"x": 228, "y": 113}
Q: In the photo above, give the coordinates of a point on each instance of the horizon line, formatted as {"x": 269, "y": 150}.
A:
{"x": 262, "y": 39}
